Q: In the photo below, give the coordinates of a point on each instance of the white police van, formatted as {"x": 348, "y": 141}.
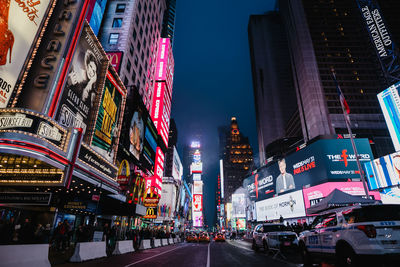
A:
{"x": 353, "y": 235}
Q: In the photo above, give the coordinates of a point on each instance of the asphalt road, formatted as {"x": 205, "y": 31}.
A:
{"x": 230, "y": 253}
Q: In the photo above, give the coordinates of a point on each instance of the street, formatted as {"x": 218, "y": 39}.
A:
{"x": 230, "y": 253}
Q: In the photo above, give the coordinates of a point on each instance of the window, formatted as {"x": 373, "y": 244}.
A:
{"x": 128, "y": 65}
{"x": 131, "y": 49}
{"x": 126, "y": 82}
{"x": 113, "y": 38}
{"x": 133, "y": 76}
{"x": 120, "y": 8}
{"x": 137, "y": 20}
{"x": 117, "y": 23}
{"x": 140, "y": 7}
{"x": 134, "y": 34}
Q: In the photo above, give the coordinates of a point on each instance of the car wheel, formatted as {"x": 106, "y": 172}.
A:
{"x": 254, "y": 246}
{"x": 265, "y": 246}
{"x": 346, "y": 257}
{"x": 305, "y": 255}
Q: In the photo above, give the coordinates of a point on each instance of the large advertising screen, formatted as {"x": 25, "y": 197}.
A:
{"x": 383, "y": 172}
{"x": 197, "y": 202}
{"x": 20, "y": 23}
{"x": 238, "y": 206}
{"x": 290, "y": 205}
{"x": 177, "y": 168}
{"x": 389, "y": 101}
{"x": 108, "y": 122}
{"x": 197, "y": 187}
{"x": 322, "y": 161}
{"x": 197, "y": 219}
{"x": 85, "y": 80}
{"x": 314, "y": 194}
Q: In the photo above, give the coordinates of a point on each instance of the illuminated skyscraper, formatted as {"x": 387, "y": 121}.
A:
{"x": 237, "y": 156}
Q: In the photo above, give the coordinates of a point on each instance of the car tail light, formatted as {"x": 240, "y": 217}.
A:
{"x": 369, "y": 230}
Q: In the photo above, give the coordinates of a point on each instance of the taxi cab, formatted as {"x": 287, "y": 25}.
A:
{"x": 219, "y": 238}
{"x": 353, "y": 234}
{"x": 204, "y": 237}
{"x": 191, "y": 238}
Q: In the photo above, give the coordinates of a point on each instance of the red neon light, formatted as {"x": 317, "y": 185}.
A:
{"x": 74, "y": 42}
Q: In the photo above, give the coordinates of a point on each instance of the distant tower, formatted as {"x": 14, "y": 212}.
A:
{"x": 237, "y": 156}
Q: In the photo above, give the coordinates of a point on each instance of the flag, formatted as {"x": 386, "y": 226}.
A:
{"x": 341, "y": 96}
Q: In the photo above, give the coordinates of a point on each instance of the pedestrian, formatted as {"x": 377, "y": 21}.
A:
{"x": 39, "y": 234}
{"x": 27, "y": 232}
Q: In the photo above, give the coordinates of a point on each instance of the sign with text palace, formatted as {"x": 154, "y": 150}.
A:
{"x": 45, "y": 79}
{"x": 20, "y": 25}
{"x": 322, "y": 161}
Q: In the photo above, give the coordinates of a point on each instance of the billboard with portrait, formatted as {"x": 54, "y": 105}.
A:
{"x": 238, "y": 206}
{"x": 389, "y": 101}
{"x": 109, "y": 117}
{"x": 290, "y": 205}
{"x": 383, "y": 172}
{"x": 322, "y": 161}
{"x": 20, "y": 24}
{"x": 85, "y": 82}
{"x": 138, "y": 140}
{"x": 197, "y": 219}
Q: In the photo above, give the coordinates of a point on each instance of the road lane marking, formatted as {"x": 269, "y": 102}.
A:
{"x": 208, "y": 255}
{"x": 153, "y": 256}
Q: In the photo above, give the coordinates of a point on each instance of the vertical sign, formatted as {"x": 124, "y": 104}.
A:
{"x": 108, "y": 123}
{"x": 78, "y": 103}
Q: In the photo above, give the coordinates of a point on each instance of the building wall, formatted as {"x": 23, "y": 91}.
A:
{"x": 274, "y": 92}
{"x": 138, "y": 40}
{"x": 325, "y": 35}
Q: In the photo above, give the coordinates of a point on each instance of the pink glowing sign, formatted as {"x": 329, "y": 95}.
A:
{"x": 315, "y": 194}
{"x": 162, "y": 59}
{"x": 160, "y": 112}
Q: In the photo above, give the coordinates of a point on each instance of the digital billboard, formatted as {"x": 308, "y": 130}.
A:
{"x": 197, "y": 202}
{"x": 322, "y": 161}
{"x": 389, "y": 101}
{"x": 238, "y": 206}
{"x": 314, "y": 194}
{"x": 290, "y": 205}
{"x": 241, "y": 224}
{"x": 85, "y": 81}
{"x": 148, "y": 156}
{"x": 197, "y": 187}
{"x": 20, "y": 24}
{"x": 383, "y": 172}
{"x": 196, "y": 167}
{"x": 197, "y": 219}
{"x": 108, "y": 122}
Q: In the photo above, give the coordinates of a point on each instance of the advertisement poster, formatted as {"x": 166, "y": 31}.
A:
{"x": 108, "y": 123}
{"x": 241, "y": 224}
{"x": 197, "y": 219}
{"x": 322, "y": 161}
{"x": 389, "y": 101}
{"x": 238, "y": 206}
{"x": 20, "y": 22}
{"x": 97, "y": 15}
{"x": 148, "y": 156}
{"x": 314, "y": 194}
{"x": 198, "y": 202}
{"x": 383, "y": 172}
{"x": 290, "y": 205}
{"x": 85, "y": 81}
{"x": 115, "y": 59}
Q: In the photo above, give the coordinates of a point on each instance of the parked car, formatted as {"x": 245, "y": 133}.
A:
{"x": 273, "y": 236}
{"x": 353, "y": 234}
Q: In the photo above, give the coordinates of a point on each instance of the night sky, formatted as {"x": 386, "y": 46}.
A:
{"x": 212, "y": 80}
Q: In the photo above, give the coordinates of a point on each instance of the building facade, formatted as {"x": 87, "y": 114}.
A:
{"x": 328, "y": 36}
{"x": 274, "y": 92}
{"x": 134, "y": 28}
